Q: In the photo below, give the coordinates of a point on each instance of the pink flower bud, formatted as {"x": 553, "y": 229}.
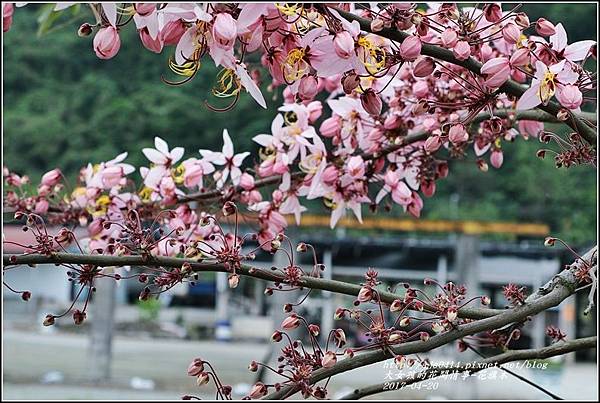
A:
{"x": 423, "y": 67}
{"x": 496, "y": 71}
{"x": 496, "y": 158}
{"x": 343, "y": 43}
{"x": 449, "y": 38}
{"x": 522, "y": 20}
{"x": 570, "y": 96}
{"x": 7, "y": 16}
{"x": 458, "y": 134}
{"x": 107, "y": 42}
{"x": 520, "y": 57}
{"x": 421, "y": 89}
{"x": 492, "y": 12}
{"x": 51, "y": 178}
{"x": 315, "y": 110}
{"x": 365, "y": 294}
{"x": 224, "y": 30}
{"x": 462, "y": 50}
{"x": 329, "y": 359}
{"x": 154, "y": 45}
{"x": 308, "y": 87}
{"x": 202, "y": 379}
{"x": 432, "y": 144}
{"x": 410, "y": 48}
{"x": 330, "y": 126}
{"x": 196, "y": 367}
{"x": 530, "y": 128}
{"x": 392, "y": 122}
{"x": 452, "y": 313}
{"x": 511, "y": 33}
{"x": 350, "y": 82}
{"x": 144, "y": 9}
{"x": 172, "y": 32}
{"x": 233, "y": 280}
{"x": 544, "y": 27}
{"x": 339, "y": 337}
{"x": 258, "y": 390}
{"x": 41, "y": 207}
{"x": 291, "y": 322}
{"x": 377, "y": 25}
{"x": 371, "y": 102}
{"x": 247, "y": 181}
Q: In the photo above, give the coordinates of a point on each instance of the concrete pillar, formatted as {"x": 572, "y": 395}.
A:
{"x": 327, "y": 310}
{"x": 466, "y": 263}
{"x": 102, "y": 310}
{"x": 442, "y": 269}
{"x": 222, "y": 323}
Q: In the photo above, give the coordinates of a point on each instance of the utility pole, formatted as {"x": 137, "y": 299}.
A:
{"x": 101, "y": 328}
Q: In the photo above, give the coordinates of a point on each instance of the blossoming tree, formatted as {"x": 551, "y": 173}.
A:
{"x": 377, "y": 99}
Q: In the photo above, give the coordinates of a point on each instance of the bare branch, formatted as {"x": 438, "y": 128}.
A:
{"x": 559, "y": 348}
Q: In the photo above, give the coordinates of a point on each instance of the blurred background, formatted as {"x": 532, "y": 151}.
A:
{"x": 63, "y": 107}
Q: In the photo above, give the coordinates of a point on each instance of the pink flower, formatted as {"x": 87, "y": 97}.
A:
{"x": 51, "y": 178}
{"x": 574, "y": 52}
{"x": 154, "y": 45}
{"x": 496, "y": 158}
{"x": 570, "y": 97}
{"x": 432, "y": 144}
{"x": 530, "y": 128}
{"x": 410, "y": 48}
{"x": 163, "y": 160}
{"x": 111, "y": 176}
{"x": 224, "y": 30}
{"x": 226, "y": 158}
{"x": 546, "y": 82}
{"x": 144, "y": 9}
{"x": 457, "y": 134}
{"x": 462, "y": 50}
{"x": 496, "y": 71}
{"x": 356, "y": 167}
{"x": 365, "y": 294}
{"x": 7, "y": 16}
{"x": 343, "y": 43}
{"x": 544, "y": 27}
{"x": 107, "y": 42}
{"x": 520, "y": 57}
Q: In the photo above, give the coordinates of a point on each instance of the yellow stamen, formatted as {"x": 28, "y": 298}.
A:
{"x": 178, "y": 173}
{"x": 547, "y": 87}
{"x": 145, "y": 194}
{"x": 295, "y": 66}
{"x": 228, "y": 84}
{"x": 101, "y": 207}
{"x": 289, "y": 9}
{"x": 371, "y": 55}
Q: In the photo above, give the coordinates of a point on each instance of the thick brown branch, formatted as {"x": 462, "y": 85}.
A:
{"x": 339, "y": 287}
{"x": 476, "y": 366}
{"x": 510, "y": 87}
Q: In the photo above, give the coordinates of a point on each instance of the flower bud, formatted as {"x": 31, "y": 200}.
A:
{"x": 329, "y": 359}
{"x": 196, "y": 367}
{"x": 314, "y": 329}
{"x": 308, "y": 88}
{"x": 410, "y": 48}
{"x": 78, "y": 317}
{"x": 228, "y": 208}
{"x": 496, "y": 158}
{"x": 485, "y": 300}
{"x": 492, "y": 12}
{"x": 51, "y": 178}
{"x": 350, "y": 82}
{"x": 424, "y": 336}
{"x": 85, "y": 29}
{"x": 462, "y": 50}
{"x": 343, "y": 44}
{"x": 396, "y": 305}
{"x": 276, "y": 336}
{"x": 233, "y": 280}
{"x": 549, "y": 241}
{"x": 25, "y": 295}
{"x": 291, "y": 322}
{"x": 253, "y": 367}
{"x": 371, "y": 102}
{"x": 202, "y": 379}
{"x": 377, "y": 25}
{"x": 48, "y": 320}
{"x": 423, "y": 67}
{"x": 544, "y": 27}
{"x": 458, "y": 134}
{"x": 107, "y": 42}
{"x": 511, "y": 33}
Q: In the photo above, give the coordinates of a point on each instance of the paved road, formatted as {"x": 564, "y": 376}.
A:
{"x": 28, "y": 356}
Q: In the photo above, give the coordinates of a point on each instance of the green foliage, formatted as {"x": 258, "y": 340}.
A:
{"x": 149, "y": 309}
{"x": 64, "y": 107}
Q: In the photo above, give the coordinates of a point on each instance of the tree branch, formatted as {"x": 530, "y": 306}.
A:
{"x": 339, "y": 287}
{"x": 510, "y": 87}
{"x": 556, "y": 349}
{"x": 556, "y": 293}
